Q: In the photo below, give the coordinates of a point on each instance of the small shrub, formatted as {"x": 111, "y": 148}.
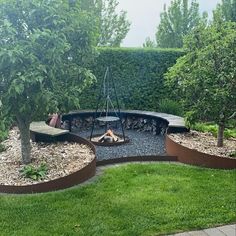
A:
{"x": 202, "y": 127}
{"x": 5, "y": 123}
{"x": 3, "y": 135}
{"x": 233, "y": 154}
{"x": 230, "y": 133}
{"x": 2, "y": 148}
{"x": 34, "y": 173}
{"x": 205, "y": 128}
{"x": 170, "y": 107}
{"x": 213, "y": 129}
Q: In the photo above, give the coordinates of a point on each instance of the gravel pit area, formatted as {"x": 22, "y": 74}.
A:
{"x": 140, "y": 144}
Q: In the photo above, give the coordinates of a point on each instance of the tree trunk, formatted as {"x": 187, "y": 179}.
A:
{"x": 25, "y": 140}
{"x": 220, "y": 135}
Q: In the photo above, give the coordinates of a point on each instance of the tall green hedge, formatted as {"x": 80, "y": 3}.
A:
{"x": 138, "y": 76}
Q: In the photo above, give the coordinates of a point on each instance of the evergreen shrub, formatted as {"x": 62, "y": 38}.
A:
{"x": 138, "y": 75}
{"x": 171, "y": 107}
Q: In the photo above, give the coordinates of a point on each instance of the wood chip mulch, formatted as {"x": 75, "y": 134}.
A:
{"x": 205, "y": 142}
{"x": 61, "y": 159}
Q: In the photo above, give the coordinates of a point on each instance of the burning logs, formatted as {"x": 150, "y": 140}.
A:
{"x": 109, "y": 137}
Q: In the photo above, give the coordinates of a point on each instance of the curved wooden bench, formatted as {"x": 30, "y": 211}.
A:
{"x": 175, "y": 123}
{"x": 40, "y": 131}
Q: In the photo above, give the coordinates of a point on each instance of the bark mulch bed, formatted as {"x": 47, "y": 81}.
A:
{"x": 61, "y": 159}
{"x": 205, "y": 142}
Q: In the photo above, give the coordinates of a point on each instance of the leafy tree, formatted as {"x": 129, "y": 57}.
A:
{"x": 149, "y": 43}
{"x": 176, "y": 22}
{"x": 205, "y": 78}
{"x": 45, "y": 46}
{"x": 226, "y": 11}
{"x": 5, "y": 123}
{"x": 113, "y": 26}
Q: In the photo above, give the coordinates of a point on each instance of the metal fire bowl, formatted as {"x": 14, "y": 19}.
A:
{"x": 107, "y": 144}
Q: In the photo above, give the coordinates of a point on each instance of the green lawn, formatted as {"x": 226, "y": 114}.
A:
{"x": 130, "y": 200}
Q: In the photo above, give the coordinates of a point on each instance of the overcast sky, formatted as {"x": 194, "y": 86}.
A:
{"x": 145, "y": 16}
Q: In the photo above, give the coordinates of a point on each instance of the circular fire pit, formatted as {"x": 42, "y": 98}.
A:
{"x": 144, "y": 134}
{"x": 108, "y": 140}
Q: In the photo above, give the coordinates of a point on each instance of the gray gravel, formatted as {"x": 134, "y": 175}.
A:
{"x": 141, "y": 144}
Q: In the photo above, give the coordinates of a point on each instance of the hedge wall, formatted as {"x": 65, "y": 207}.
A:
{"x": 137, "y": 73}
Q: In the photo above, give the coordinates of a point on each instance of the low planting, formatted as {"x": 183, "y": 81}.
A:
{"x": 233, "y": 154}
{"x": 213, "y": 128}
{"x": 134, "y": 199}
{"x": 5, "y": 123}
{"x": 34, "y": 173}
{"x": 3, "y": 134}
{"x": 2, "y": 148}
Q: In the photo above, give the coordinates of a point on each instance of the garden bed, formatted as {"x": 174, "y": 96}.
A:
{"x": 205, "y": 142}
{"x": 61, "y": 159}
{"x": 198, "y": 149}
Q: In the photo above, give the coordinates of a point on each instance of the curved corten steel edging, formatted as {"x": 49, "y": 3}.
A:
{"x": 194, "y": 157}
{"x": 61, "y": 183}
{"x": 136, "y": 158}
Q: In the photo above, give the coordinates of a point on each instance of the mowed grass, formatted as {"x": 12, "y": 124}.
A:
{"x": 129, "y": 200}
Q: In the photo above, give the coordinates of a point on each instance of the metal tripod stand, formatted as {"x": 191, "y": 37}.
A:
{"x": 109, "y": 111}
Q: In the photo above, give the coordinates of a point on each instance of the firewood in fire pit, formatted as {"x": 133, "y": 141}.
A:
{"x": 109, "y": 136}
{"x": 108, "y": 139}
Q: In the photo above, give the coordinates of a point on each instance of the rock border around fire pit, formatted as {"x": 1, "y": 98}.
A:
{"x": 193, "y": 157}
{"x": 61, "y": 183}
